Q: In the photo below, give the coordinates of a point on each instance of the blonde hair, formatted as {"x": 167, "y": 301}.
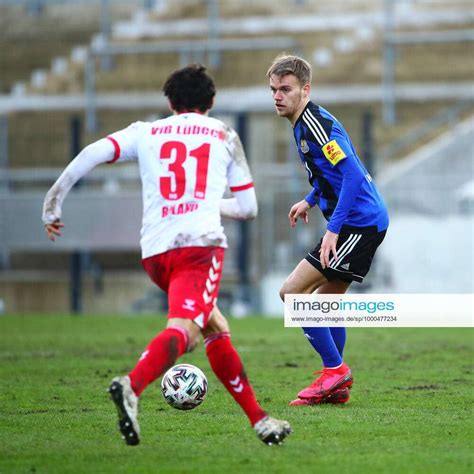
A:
{"x": 287, "y": 64}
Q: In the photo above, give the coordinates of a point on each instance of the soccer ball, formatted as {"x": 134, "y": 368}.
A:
{"x": 184, "y": 386}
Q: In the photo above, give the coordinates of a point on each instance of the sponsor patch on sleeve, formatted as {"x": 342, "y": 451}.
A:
{"x": 333, "y": 152}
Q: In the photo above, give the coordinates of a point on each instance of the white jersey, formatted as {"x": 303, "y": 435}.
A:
{"x": 186, "y": 162}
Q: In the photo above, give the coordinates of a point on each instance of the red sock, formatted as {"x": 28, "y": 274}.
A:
{"x": 226, "y": 364}
{"x": 160, "y": 355}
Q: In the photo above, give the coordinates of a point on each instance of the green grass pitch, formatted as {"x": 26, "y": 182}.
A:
{"x": 410, "y": 411}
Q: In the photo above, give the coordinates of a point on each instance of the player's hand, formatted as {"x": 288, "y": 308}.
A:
{"x": 328, "y": 246}
{"x": 299, "y": 210}
{"x": 53, "y": 230}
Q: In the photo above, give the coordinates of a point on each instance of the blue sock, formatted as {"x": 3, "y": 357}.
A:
{"x": 339, "y": 338}
{"x": 323, "y": 342}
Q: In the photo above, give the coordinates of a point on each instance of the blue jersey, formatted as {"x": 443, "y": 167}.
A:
{"x": 342, "y": 187}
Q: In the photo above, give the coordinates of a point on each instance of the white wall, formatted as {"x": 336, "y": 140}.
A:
{"x": 429, "y": 255}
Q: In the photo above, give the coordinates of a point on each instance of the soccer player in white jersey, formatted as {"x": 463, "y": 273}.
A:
{"x": 186, "y": 161}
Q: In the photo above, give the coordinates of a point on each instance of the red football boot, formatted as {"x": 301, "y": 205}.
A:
{"x": 341, "y": 395}
{"x": 329, "y": 381}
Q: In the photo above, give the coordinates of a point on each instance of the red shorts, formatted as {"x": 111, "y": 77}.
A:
{"x": 190, "y": 276}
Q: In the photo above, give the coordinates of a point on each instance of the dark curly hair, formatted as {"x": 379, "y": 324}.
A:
{"x": 190, "y": 88}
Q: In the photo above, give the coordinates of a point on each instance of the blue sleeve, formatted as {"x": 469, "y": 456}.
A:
{"x": 311, "y": 198}
{"x": 353, "y": 176}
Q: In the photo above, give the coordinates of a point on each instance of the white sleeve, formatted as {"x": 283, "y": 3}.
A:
{"x": 126, "y": 142}
{"x": 239, "y": 176}
{"x": 244, "y": 204}
{"x": 99, "y": 152}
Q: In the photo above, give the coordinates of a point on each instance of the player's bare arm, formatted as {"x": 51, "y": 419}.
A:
{"x": 299, "y": 211}
{"x": 91, "y": 156}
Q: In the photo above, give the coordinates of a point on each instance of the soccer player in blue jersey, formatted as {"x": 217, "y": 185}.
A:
{"x": 350, "y": 202}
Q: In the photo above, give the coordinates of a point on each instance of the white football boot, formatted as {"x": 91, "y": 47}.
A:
{"x": 126, "y": 403}
{"x": 272, "y": 431}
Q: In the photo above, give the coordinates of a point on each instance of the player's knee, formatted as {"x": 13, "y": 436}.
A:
{"x": 290, "y": 287}
{"x": 221, "y": 325}
{"x": 282, "y": 293}
{"x": 284, "y": 290}
{"x": 189, "y": 328}
{"x": 217, "y": 323}
{"x": 193, "y": 341}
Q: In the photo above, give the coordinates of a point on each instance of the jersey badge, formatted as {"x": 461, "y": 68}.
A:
{"x": 304, "y": 146}
{"x": 333, "y": 152}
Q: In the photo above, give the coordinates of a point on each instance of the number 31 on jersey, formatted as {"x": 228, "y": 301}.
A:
{"x": 179, "y": 151}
